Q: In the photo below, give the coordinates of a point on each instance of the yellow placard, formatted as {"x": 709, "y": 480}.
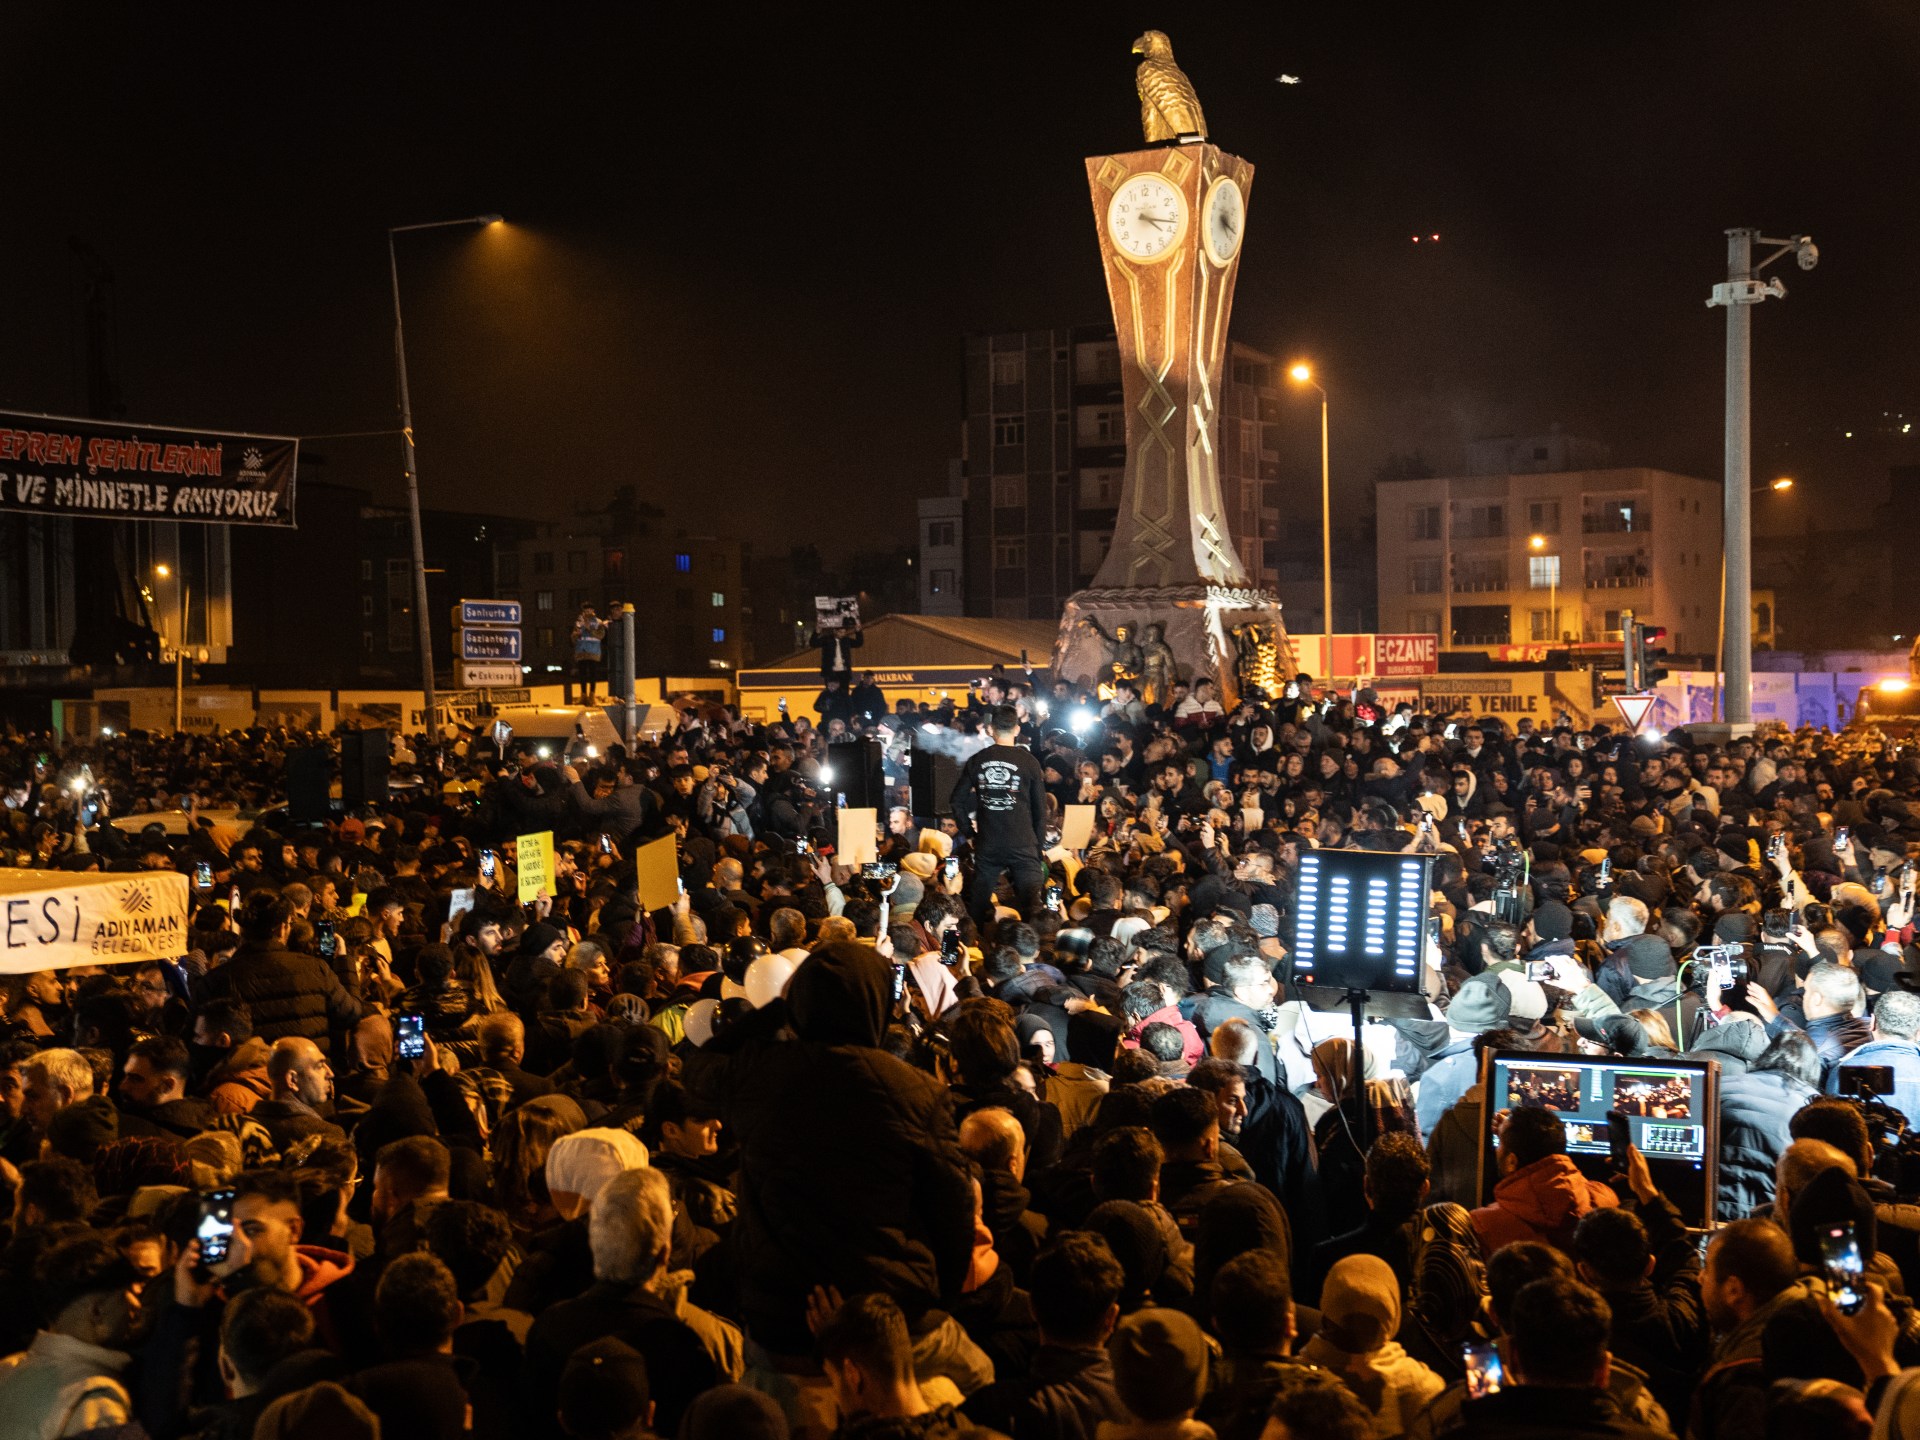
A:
{"x": 856, "y": 844}
{"x": 1076, "y": 827}
{"x": 535, "y": 865}
{"x": 656, "y": 868}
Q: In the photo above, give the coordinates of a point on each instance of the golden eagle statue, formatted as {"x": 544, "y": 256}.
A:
{"x": 1168, "y": 106}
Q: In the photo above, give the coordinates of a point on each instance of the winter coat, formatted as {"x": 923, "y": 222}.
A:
{"x": 1393, "y": 1385}
{"x": 287, "y": 993}
{"x": 1754, "y": 1111}
{"x": 1734, "y": 1045}
{"x": 1542, "y": 1201}
{"x": 1836, "y": 1036}
{"x": 851, "y": 1173}
{"x": 240, "y": 1082}
{"x": 1064, "y": 1395}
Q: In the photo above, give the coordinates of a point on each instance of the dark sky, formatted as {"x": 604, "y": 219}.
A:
{"x": 744, "y": 243}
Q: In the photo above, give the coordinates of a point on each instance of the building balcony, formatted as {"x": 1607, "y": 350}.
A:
{"x": 1480, "y": 587}
{"x": 1614, "y": 523}
{"x": 1617, "y": 582}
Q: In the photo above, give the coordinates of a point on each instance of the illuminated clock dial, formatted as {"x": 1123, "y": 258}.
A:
{"x": 1225, "y": 220}
{"x": 1147, "y": 218}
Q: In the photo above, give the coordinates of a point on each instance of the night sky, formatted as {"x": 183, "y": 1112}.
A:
{"x": 742, "y": 251}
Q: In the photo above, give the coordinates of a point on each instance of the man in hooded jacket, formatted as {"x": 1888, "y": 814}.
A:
{"x": 851, "y": 1173}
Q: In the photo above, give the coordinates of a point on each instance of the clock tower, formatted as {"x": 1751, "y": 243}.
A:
{"x": 1171, "y": 220}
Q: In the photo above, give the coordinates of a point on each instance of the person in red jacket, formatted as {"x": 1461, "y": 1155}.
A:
{"x": 1541, "y": 1195}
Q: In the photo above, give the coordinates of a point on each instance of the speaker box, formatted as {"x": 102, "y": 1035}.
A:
{"x": 931, "y": 777}
{"x": 309, "y": 778}
{"x": 363, "y": 767}
{"x": 857, "y": 773}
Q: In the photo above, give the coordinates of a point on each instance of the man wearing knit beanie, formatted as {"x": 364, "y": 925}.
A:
{"x": 1551, "y": 921}
{"x": 1159, "y": 1371}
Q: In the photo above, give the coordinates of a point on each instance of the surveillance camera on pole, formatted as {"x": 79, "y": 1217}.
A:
{"x": 1744, "y": 289}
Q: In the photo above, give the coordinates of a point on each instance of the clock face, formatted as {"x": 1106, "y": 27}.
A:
{"x": 1225, "y": 213}
{"x": 1147, "y": 218}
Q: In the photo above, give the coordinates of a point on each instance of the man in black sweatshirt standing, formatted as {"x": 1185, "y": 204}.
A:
{"x": 1000, "y": 803}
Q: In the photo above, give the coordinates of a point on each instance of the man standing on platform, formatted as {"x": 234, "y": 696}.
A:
{"x": 1000, "y": 803}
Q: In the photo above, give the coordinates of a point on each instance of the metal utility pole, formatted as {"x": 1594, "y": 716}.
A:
{"x": 1326, "y": 532}
{"x": 1743, "y": 290}
{"x": 422, "y": 621}
{"x": 625, "y": 678}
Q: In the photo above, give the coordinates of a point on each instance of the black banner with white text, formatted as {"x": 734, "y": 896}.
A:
{"x": 99, "y": 470}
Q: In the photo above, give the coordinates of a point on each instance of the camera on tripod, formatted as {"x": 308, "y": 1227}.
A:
{"x": 1725, "y": 964}
{"x": 1507, "y": 862}
{"x": 1896, "y": 1147}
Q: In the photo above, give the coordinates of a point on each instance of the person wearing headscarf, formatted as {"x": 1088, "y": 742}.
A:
{"x": 1359, "y": 1316}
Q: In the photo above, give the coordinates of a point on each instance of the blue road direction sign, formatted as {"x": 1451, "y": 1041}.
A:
{"x": 489, "y": 644}
{"x": 489, "y": 612}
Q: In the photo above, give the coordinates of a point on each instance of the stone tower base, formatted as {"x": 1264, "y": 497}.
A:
{"x": 1199, "y": 623}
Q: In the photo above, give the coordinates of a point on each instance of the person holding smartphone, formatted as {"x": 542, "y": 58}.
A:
{"x": 1000, "y": 803}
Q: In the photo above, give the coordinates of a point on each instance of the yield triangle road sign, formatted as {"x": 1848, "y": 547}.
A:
{"x": 1633, "y": 709}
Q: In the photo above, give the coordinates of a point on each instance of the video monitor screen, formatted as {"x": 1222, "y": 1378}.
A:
{"x": 1359, "y": 918}
{"x": 1671, "y": 1112}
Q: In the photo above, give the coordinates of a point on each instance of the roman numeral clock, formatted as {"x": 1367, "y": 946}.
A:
{"x": 1172, "y": 221}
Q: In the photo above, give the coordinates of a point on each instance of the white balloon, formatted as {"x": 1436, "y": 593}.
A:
{"x": 767, "y": 979}
{"x": 698, "y": 1021}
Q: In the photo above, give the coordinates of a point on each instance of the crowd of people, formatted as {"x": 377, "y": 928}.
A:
{"x": 987, "y": 1136}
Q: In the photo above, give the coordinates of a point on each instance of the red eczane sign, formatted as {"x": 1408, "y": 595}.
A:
{"x": 1406, "y": 654}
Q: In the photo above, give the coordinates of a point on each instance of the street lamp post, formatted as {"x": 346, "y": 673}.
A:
{"x": 1743, "y": 290}
{"x": 1303, "y": 374}
{"x": 423, "y": 622}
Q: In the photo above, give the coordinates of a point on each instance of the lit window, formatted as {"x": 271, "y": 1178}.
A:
{"x": 718, "y": 600}
{"x": 543, "y": 600}
{"x": 683, "y": 562}
{"x": 1543, "y": 571}
{"x": 719, "y": 636}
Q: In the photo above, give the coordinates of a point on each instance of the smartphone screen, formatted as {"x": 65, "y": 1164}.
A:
{"x": 1540, "y": 971}
{"x": 1840, "y": 1255}
{"x": 324, "y": 933}
{"x": 233, "y": 901}
{"x": 950, "y": 947}
{"x": 1619, "y": 1139}
{"x": 410, "y": 1036}
{"x": 1485, "y": 1374}
{"x": 606, "y": 845}
{"x": 203, "y": 876}
{"x": 1055, "y": 894}
{"x": 952, "y": 868}
{"x": 899, "y": 983}
{"x": 487, "y": 864}
{"x": 215, "y": 1231}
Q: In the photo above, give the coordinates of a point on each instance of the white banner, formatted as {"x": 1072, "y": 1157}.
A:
{"x": 50, "y": 920}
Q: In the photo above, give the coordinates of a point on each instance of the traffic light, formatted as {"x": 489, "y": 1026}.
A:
{"x": 1650, "y": 654}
